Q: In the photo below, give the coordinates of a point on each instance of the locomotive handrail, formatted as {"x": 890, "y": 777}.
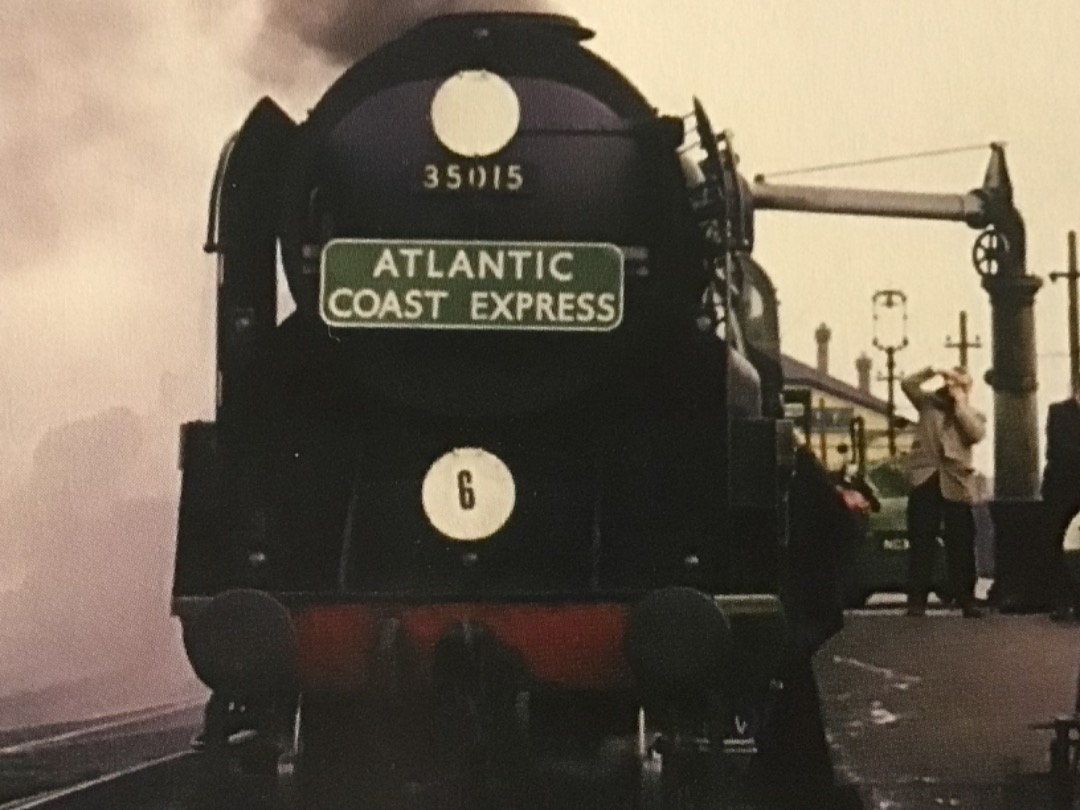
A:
{"x": 348, "y": 532}
{"x": 213, "y": 226}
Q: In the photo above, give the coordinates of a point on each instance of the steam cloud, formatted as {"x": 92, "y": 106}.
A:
{"x": 343, "y": 31}
{"x": 114, "y": 113}
{"x": 110, "y": 140}
{"x": 87, "y": 613}
{"x": 58, "y": 101}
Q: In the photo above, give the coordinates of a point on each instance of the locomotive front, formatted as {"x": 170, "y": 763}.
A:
{"x": 507, "y": 446}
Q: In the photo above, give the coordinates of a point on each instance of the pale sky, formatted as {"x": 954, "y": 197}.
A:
{"x": 123, "y": 292}
{"x": 811, "y": 83}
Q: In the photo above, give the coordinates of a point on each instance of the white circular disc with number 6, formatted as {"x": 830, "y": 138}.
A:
{"x": 468, "y": 494}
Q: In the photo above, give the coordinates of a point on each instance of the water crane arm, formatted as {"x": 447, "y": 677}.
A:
{"x": 989, "y": 205}
{"x": 969, "y": 208}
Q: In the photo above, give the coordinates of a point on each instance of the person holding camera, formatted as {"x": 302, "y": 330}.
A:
{"x": 944, "y": 485}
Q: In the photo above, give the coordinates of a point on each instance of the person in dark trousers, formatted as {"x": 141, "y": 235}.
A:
{"x": 823, "y": 531}
{"x": 1061, "y": 499}
{"x": 945, "y": 485}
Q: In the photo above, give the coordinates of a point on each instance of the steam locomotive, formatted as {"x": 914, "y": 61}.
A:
{"x": 496, "y": 515}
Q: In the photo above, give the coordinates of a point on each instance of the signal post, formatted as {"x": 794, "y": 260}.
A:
{"x": 1071, "y": 277}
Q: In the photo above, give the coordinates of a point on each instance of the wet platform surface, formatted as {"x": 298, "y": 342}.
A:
{"x": 936, "y": 712}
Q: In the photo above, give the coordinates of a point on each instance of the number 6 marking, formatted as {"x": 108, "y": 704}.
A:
{"x": 449, "y": 499}
{"x": 466, "y": 494}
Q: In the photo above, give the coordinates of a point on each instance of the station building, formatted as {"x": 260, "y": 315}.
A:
{"x": 826, "y": 408}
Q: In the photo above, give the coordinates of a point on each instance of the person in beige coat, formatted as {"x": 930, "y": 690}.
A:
{"x": 944, "y": 485}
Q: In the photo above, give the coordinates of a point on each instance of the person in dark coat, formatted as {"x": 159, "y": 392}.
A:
{"x": 825, "y": 528}
{"x": 1061, "y": 498}
{"x": 823, "y": 531}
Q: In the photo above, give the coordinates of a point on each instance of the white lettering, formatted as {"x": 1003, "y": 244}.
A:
{"x": 566, "y": 307}
{"x": 502, "y": 306}
{"x": 495, "y": 265}
{"x": 414, "y": 307}
{"x": 432, "y": 271}
{"x": 477, "y": 176}
{"x": 460, "y": 266}
{"x": 335, "y": 309}
{"x": 385, "y": 265}
{"x": 544, "y": 302}
{"x": 390, "y": 305}
{"x": 478, "y": 306}
{"x": 606, "y": 304}
{"x": 585, "y": 306}
{"x": 524, "y": 303}
{"x": 553, "y": 268}
{"x": 519, "y": 257}
{"x": 359, "y": 310}
{"x": 514, "y": 178}
{"x": 435, "y": 297}
{"x": 411, "y": 254}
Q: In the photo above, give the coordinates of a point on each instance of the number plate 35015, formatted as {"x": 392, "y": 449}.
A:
{"x": 473, "y": 176}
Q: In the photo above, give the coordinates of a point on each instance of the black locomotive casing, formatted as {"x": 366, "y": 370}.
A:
{"x": 596, "y": 166}
{"x": 444, "y": 549}
{"x": 617, "y": 440}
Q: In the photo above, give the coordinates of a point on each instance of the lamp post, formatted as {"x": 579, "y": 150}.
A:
{"x": 890, "y": 336}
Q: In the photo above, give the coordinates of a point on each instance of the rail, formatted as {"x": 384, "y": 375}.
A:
{"x": 148, "y": 784}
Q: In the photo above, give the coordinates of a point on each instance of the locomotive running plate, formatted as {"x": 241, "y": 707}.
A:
{"x": 436, "y": 284}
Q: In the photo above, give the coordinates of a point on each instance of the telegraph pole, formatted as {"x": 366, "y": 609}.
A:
{"x": 963, "y": 344}
{"x": 1074, "y": 314}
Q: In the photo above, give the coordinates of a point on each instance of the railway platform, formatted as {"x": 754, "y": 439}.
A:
{"x": 925, "y": 713}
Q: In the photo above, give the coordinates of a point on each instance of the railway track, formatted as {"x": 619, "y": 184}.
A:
{"x": 46, "y": 760}
{"x": 152, "y": 784}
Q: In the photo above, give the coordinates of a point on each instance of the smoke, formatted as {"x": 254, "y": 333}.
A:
{"x": 105, "y": 187}
{"x": 340, "y": 32}
{"x": 114, "y": 113}
{"x": 89, "y": 534}
{"x": 83, "y": 131}
{"x": 54, "y": 115}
